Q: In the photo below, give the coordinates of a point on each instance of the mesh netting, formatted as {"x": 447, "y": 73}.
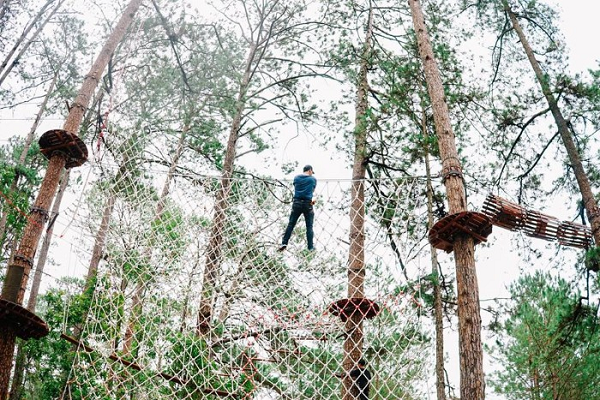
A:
{"x": 274, "y": 332}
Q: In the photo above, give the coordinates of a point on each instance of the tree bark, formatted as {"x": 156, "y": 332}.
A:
{"x": 472, "y": 384}
{"x": 41, "y": 262}
{"x": 18, "y": 271}
{"x": 16, "y": 389}
{"x": 136, "y": 301}
{"x": 100, "y": 240}
{"x": 214, "y": 251}
{"x": 353, "y": 343}
{"x": 589, "y": 202}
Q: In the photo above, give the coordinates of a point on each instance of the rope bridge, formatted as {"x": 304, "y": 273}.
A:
{"x": 277, "y": 321}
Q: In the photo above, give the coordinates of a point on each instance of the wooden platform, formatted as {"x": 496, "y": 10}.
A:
{"x": 26, "y": 324}
{"x": 60, "y": 141}
{"x": 346, "y": 308}
{"x": 443, "y": 234}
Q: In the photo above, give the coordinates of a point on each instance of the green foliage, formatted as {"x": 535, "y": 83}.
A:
{"x": 592, "y": 259}
{"x": 547, "y": 342}
{"x": 18, "y": 183}
{"x": 204, "y": 139}
{"x": 168, "y": 232}
{"x": 421, "y": 290}
{"x": 48, "y": 360}
{"x": 190, "y": 360}
{"x": 397, "y": 353}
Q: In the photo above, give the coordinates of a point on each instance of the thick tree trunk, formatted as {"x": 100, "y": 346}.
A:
{"x": 17, "y": 273}
{"x": 472, "y": 385}
{"x": 438, "y": 311}
{"x": 353, "y": 343}
{"x": 589, "y": 202}
{"x": 16, "y": 389}
{"x": 214, "y": 251}
{"x": 41, "y": 262}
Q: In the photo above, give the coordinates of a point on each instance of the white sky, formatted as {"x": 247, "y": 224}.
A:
{"x": 581, "y": 29}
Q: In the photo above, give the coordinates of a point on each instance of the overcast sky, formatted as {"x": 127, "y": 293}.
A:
{"x": 581, "y": 29}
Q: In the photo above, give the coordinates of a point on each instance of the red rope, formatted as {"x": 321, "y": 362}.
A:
{"x": 103, "y": 129}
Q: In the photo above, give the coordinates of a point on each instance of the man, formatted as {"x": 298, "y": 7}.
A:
{"x": 362, "y": 379}
{"x": 304, "y": 187}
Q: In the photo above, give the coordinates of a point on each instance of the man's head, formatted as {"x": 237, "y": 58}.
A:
{"x": 362, "y": 363}
{"x": 308, "y": 169}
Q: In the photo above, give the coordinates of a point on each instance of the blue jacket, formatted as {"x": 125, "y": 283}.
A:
{"x": 304, "y": 186}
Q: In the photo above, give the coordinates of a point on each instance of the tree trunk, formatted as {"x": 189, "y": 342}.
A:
{"x": 17, "y": 273}
{"x": 16, "y": 389}
{"x": 16, "y": 392}
{"x": 136, "y": 302}
{"x": 591, "y": 206}
{"x": 214, "y": 251}
{"x": 472, "y": 385}
{"x": 438, "y": 311}
{"x": 100, "y": 241}
{"x": 41, "y": 263}
{"x": 353, "y": 343}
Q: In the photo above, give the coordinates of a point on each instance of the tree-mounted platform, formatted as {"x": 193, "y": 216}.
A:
{"x": 511, "y": 216}
{"x": 59, "y": 141}
{"x": 26, "y": 324}
{"x": 445, "y": 232}
{"x": 347, "y": 308}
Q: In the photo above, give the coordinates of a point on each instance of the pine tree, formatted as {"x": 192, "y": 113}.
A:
{"x": 546, "y": 341}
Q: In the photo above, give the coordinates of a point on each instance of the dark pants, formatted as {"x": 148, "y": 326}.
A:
{"x": 301, "y": 207}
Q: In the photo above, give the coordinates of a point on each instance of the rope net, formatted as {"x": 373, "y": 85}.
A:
{"x": 272, "y": 333}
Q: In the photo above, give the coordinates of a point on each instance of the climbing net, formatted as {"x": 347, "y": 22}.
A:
{"x": 274, "y": 332}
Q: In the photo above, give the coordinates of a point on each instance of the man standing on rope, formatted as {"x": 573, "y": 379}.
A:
{"x": 304, "y": 187}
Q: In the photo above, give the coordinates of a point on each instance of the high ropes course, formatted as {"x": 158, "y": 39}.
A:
{"x": 281, "y": 325}
{"x": 141, "y": 238}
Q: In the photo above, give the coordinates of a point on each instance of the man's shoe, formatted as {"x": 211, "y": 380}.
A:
{"x": 282, "y": 248}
